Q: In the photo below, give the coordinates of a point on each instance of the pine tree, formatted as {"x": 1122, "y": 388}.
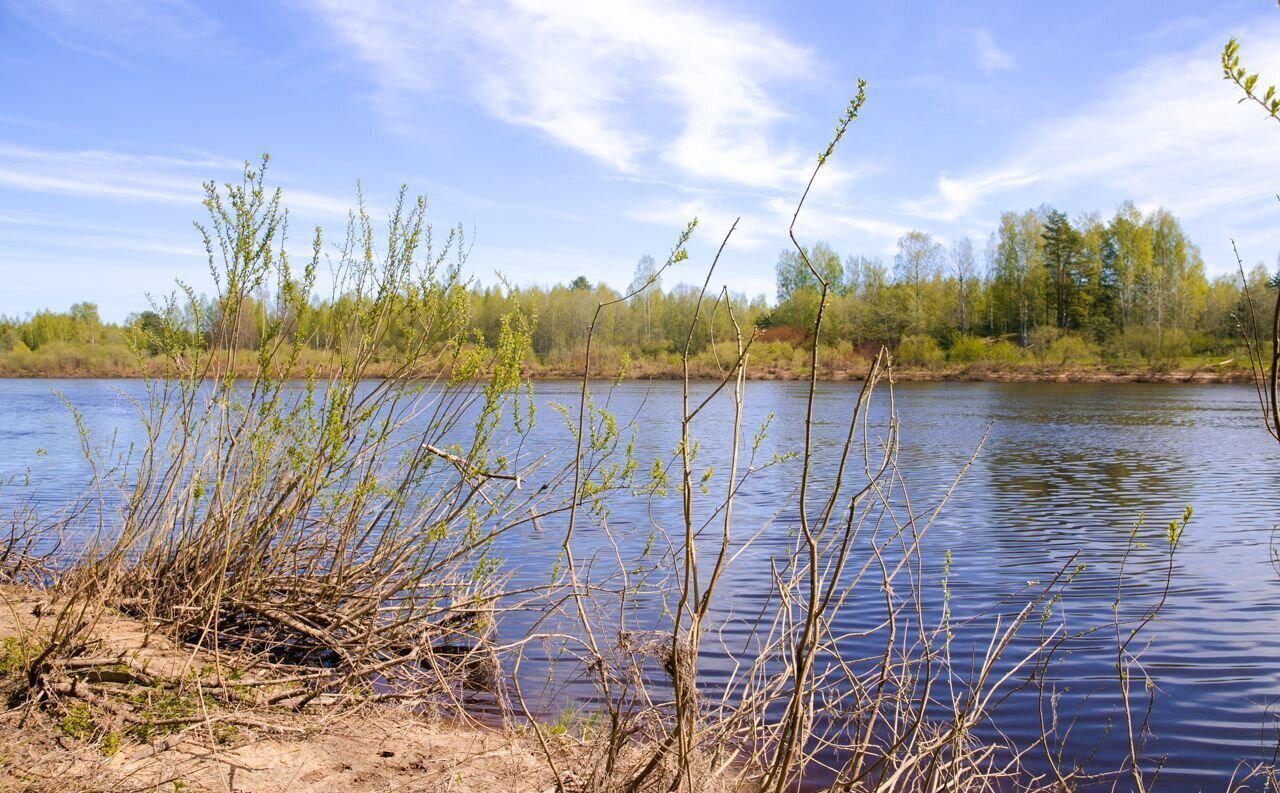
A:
{"x": 1062, "y": 255}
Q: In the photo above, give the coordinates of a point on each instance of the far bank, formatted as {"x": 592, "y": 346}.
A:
{"x": 1229, "y": 373}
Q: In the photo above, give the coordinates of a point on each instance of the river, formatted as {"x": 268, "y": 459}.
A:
{"x": 1066, "y": 469}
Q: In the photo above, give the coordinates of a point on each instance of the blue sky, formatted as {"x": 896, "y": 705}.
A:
{"x": 575, "y": 137}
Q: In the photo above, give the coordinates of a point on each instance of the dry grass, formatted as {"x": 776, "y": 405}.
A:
{"x": 144, "y": 712}
{"x": 783, "y": 360}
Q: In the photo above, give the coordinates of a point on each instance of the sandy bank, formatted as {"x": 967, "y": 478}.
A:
{"x": 122, "y": 723}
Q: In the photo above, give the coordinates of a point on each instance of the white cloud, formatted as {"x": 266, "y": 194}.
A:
{"x": 957, "y": 198}
{"x": 713, "y": 222}
{"x": 694, "y": 102}
{"x": 128, "y": 221}
{"x": 990, "y": 57}
{"x": 634, "y": 85}
{"x": 116, "y": 175}
{"x": 43, "y": 183}
{"x": 106, "y": 27}
{"x": 1169, "y": 132}
{"x": 825, "y": 220}
{"x": 32, "y": 230}
{"x": 106, "y": 174}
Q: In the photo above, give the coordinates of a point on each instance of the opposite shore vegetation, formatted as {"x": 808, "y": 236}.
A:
{"x": 282, "y": 559}
{"x": 1049, "y": 297}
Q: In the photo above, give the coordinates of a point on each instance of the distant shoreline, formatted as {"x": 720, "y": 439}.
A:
{"x": 1192, "y": 376}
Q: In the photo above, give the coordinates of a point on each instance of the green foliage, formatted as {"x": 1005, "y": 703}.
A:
{"x": 576, "y": 723}
{"x": 225, "y": 734}
{"x": 795, "y": 277}
{"x": 78, "y": 723}
{"x": 380, "y": 479}
{"x": 1003, "y": 351}
{"x": 966, "y": 350}
{"x": 1064, "y": 258}
{"x": 156, "y": 708}
{"x": 920, "y": 351}
{"x": 1039, "y": 341}
{"x": 13, "y": 656}
{"x": 1071, "y": 350}
{"x": 917, "y": 268}
{"x": 1150, "y": 348}
{"x": 110, "y": 744}
{"x": 1232, "y": 70}
{"x": 1133, "y": 285}
{"x": 842, "y": 126}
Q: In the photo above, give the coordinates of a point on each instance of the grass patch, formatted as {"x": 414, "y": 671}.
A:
{"x": 13, "y": 656}
{"x": 161, "y": 713}
{"x": 78, "y": 722}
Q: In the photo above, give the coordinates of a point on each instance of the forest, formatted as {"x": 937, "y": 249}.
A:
{"x": 1047, "y": 294}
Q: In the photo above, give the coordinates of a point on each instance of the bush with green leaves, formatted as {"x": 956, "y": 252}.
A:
{"x": 343, "y": 523}
{"x": 919, "y": 350}
{"x": 1071, "y": 350}
{"x": 966, "y": 350}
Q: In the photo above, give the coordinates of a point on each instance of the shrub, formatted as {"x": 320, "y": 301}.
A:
{"x": 10, "y": 341}
{"x": 314, "y": 555}
{"x": 1070, "y": 349}
{"x": 841, "y": 356}
{"x": 1039, "y": 340}
{"x": 967, "y": 349}
{"x": 1156, "y": 349}
{"x": 920, "y": 350}
{"x": 771, "y": 353}
{"x": 1005, "y": 352}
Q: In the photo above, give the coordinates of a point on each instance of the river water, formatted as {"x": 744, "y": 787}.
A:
{"x": 1066, "y": 469}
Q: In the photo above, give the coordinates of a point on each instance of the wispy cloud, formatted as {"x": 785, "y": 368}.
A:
{"x": 991, "y": 58}
{"x": 636, "y": 86}
{"x": 106, "y": 174}
{"x": 826, "y": 221}
{"x": 714, "y": 222}
{"x": 1168, "y": 132}
{"x": 956, "y": 198}
{"x": 100, "y": 27}
{"x": 84, "y": 213}
{"x": 113, "y": 175}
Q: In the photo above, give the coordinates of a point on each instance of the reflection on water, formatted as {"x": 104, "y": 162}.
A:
{"x": 1066, "y": 468}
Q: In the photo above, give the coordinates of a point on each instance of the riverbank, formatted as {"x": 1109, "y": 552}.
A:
{"x": 965, "y": 375}
{"x": 652, "y": 371}
{"x": 768, "y": 360}
{"x": 140, "y": 712}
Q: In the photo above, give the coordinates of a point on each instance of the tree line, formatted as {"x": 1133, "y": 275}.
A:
{"x": 1129, "y": 287}
{"x": 1044, "y": 289}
